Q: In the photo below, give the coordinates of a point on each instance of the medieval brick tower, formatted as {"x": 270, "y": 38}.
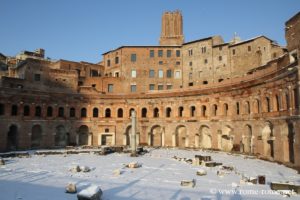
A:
{"x": 171, "y": 29}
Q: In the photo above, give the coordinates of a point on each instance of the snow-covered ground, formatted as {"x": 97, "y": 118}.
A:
{"x": 45, "y": 177}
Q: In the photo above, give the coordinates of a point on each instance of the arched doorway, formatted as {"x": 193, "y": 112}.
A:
{"x": 247, "y": 140}
{"x": 181, "y": 137}
{"x": 205, "y": 137}
{"x": 61, "y": 137}
{"x": 36, "y": 136}
{"x": 83, "y": 135}
{"x": 126, "y": 139}
{"x": 12, "y": 137}
{"x": 227, "y": 139}
{"x": 155, "y": 136}
{"x": 268, "y": 140}
{"x": 291, "y": 140}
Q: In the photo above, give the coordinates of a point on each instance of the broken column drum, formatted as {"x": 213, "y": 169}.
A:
{"x": 133, "y": 131}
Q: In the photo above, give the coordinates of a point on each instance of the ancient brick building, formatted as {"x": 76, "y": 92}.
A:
{"x": 207, "y": 93}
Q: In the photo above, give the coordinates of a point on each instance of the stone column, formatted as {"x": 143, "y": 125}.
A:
{"x": 133, "y": 132}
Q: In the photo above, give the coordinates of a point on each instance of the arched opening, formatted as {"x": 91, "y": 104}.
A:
{"x": 83, "y": 112}
{"x": 83, "y": 135}
{"x": 26, "y": 111}
{"x": 130, "y": 111}
{"x": 205, "y": 137}
{"x": 277, "y": 103}
{"x": 12, "y": 138}
{"x": 155, "y": 113}
{"x": 181, "y": 137}
{"x": 127, "y": 134}
{"x": 225, "y": 108}
{"x": 192, "y": 111}
{"x": 237, "y": 108}
{"x": 95, "y": 112}
{"x": 214, "y": 110}
{"x": 61, "y": 137}
{"x": 168, "y": 112}
{"x": 61, "y": 112}
{"x": 226, "y": 138}
{"x": 291, "y": 139}
{"x": 246, "y": 143}
{"x": 14, "y": 110}
{"x": 247, "y": 107}
{"x": 144, "y": 112}
{"x": 203, "y": 110}
{"x": 287, "y": 99}
{"x": 107, "y": 113}
{"x": 72, "y": 112}
{"x": 36, "y": 136}
{"x": 38, "y": 111}
{"x": 2, "y": 109}
{"x": 120, "y": 113}
{"x": 180, "y": 111}
{"x": 268, "y": 140}
{"x": 256, "y": 106}
{"x": 49, "y": 111}
{"x": 268, "y": 106}
{"x": 156, "y": 136}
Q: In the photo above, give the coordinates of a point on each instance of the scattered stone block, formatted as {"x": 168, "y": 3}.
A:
{"x": 196, "y": 162}
{"x": 203, "y": 158}
{"x": 134, "y": 165}
{"x": 117, "y": 172}
{"x": 210, "y": 164}
{"x": 285, "y": 186}
{"x": 91, "y": 193}
{"x": 227, "y": 168}
{"x": 253, "y": 180}
{"x": 261, "y": 179}
{"x": 220, "y": 174}
{"x": 201, "y": 172}
{"x": 2, "y": 162}
{"x": 71, "y": 188}
{"x": 188, "y": 183}
{"x": 85, "y": 169}
{"x": 75, "y": 169}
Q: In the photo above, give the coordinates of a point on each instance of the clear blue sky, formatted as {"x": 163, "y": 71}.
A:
{"x": 81, "y": 30}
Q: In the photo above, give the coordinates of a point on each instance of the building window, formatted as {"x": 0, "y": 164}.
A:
{"x": 160, "y": 53}
{"x": 205, "y": 61}
{"x": 38, "y": 111}
{"x": 133, "y": 57}
{"x": 237, "y": 108}
{"x": 169, "y": 73}
{"x": 83, "y": 112}
{"x": 168, "y": 112}
{"x": 160, "y": 87}
{"x": 120, "y": 113}
{"x": 117, "y": 60}
{"x": 26, "y": 111}
{"x": 177, "y": 62}
{"x": 203, "y": 49}
{"x": 190, "y": 76}
{"x": 220, "y": 58}
{"x": 61, "y": 112}
{"x": 190, "y": 51}
{"x": 108, "y": 63}
{"x": 130, "y": 111}
{"x": 72, "y": 112}
{"x": 203, "y": 109}
{"x": 110, "y": 88}
{"x": 160, "y": 62}
{"x": 177, "y": 53}
{"x": 233, "y": 51}
{"x": 205, "y": 82}
{"x": 169, "y": 87}
{"x": 177, "y": 74}
{"x": 49, "y": 111}
{"x": 151, "y": 53}
{"x": 133, "y": 88}
{"x": 169, "y": 53}
{"x": 151, "y": 73}
{"x": 191, "y": 84}
{"x": 133, "y": 73}
{"x": 160, "y": 73}
{"x": 220, "y": 48}
{"x": 249, "y": 48}
{"x": 180, "y": 111}
{"x": 155, "y": 113}
{"x": 2, "y": 109}
{"x": 107, "y": 113}
{"x": 214, "y": 110}
{"x": 191, "y": 63}
{"x": 14, "y": 110}
{"x": 151, "y": 87}
{"x": 192, "y": 111}
{"x": 95, "y": 112}
{"x": 37, "y": 77}
{"x": 144, "y": 112}
{"x": 106, "y": 130}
